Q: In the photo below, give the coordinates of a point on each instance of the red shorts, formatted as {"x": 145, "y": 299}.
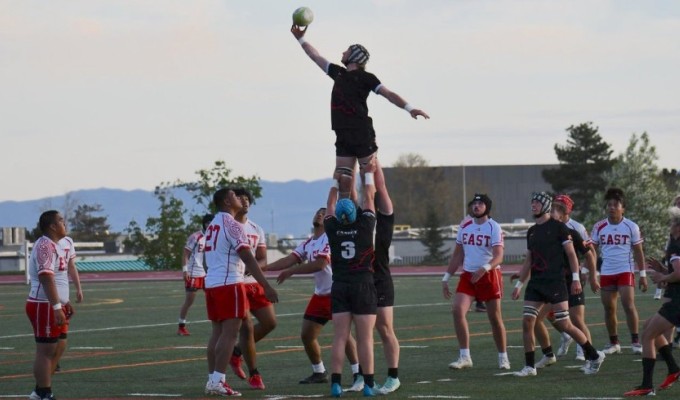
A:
{"x": 226, "y": 302}
{"x": 612, "y": 282}
{"x": 193, "y": 284}
{"x": 319, "y": 307}
{"x": 44, "y": 323}
{"x": 488, "y": 287}
{"x": 256, "y": 297}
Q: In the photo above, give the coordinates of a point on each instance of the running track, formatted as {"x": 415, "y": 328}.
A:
{"x": 177, "y": 275}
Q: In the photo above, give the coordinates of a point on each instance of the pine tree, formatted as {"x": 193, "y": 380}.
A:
{"x": 647, "y": 197}
{"x": 431, "y": 237}
{"x": 583, "y": 161}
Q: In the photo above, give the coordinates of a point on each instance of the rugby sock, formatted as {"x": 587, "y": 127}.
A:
{"x": 647, "y": 372}
{"x": 393, "y": 373}
{"x": 319, "y": 368}
{"x": 237, "y": 352}
{"x": 666, "y": 353}
{"x": 355, "y": 368}
{"x": 548, "y": 352}
{"x": 336, "y": 378}
{"x": 589, "y": 351}
{"x": 43, "y": 391}
{"x": 635, "y": 338}
{"x": 529, "y": 360}
{"x": 614, "y": 339}
{"x": 465, "y": 353}
{"x": 217, "y": 377}
{"x": 368, "y": 380}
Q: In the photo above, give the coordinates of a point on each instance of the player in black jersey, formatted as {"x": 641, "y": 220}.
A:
{"x": 355, "y": 137}
{"x": 548, "y": 241}
{"x": 353, "y": 294}
{"x": 666, "y": 318}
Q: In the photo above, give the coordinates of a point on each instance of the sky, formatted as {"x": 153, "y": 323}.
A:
{"x": 130, "y": 93}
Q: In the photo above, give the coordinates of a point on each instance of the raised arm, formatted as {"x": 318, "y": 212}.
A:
{"x": 304, "y": 268}
{"x": 401, "y": 103}
{"x": 282, "y": 263}
{"x": 318, "y": 59}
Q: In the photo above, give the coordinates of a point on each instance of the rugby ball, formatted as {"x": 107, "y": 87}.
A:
{"x": 303, "y": 16}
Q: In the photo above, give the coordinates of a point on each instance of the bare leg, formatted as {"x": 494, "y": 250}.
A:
{"x": 493, "y": 311}
{"x": 309, "y": 335}
{"x": 188, "y": 301}
{"x": 461, "y": 304}
{"x": 628, "y": 303}
{"x": 609, "y": 302}
{"x": 384, "y": 325}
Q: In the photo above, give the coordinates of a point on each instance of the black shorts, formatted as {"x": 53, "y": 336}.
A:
{"x": 357, "y": 143}
{"x": 356, "y": 298}
{"x": 671, "y": 311}
{"x": 385, "y": 291}
{"x": 552, "y": 292}
{"x": 575, "y": 299}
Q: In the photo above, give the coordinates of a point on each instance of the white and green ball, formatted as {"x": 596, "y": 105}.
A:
{"x": 303, "y": 16}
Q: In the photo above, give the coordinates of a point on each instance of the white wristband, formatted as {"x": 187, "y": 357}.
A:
{"x": 576, "y": 277}
{"x": 487, "y": 267}
{"x": 643, "y": 273}
{"x": 519, "y": 285}
{"x": 336, "y": 185}
{"x": 369, "y": 179}
{"x": 302, "y": 40}
{"x": 408, "y": 107}
{"x": 185, "y": 268}
{"x": 56, "y": 307}
{"x": 446, "y": 277}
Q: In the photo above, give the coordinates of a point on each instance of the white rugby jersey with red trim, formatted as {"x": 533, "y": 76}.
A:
{"x": 578, "y": 227}
{"x": 256, "y": 239}
{"x": 224, "y": 238}
{"x": 61, "y": 280}
{"x": 196, "y": 246}
{"x": 312, "y": 249}
{"x": 616, "y": 243}
{"x": 47, "y": 257}
{"x": 478, "y": 241}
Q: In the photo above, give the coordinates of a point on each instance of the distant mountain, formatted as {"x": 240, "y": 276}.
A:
{"x": 285, "y": 208}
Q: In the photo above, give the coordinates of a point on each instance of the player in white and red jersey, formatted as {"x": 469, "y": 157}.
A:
{"x": 193, "y": 271}
{"x": 226, "y": 251}
{"x": 620, "y": 244}
{"x": 313, "y": 256}
{"x": 479, "y": 248}
{"x": 258, "y": 304}
{"x": 48, "y": 270}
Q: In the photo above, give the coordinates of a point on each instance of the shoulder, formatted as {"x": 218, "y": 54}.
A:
{"x": 465, "y": 223}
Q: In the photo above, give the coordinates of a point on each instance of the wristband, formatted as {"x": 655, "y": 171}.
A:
{"x": 56, "y": 307}
{"x": 519, "y": 285}
{"x": 575, "y": 276}
{"x": 369, "y": 179}
{"x": 446, "y": 277}
{"x": 487, "y": 267}
{"x": 302, "y": 40}
{"x": 643, "y": 273}
{"x": 185, "y": 268}
{"x": 336, "y": 185}
{"x": 408, "y": 107}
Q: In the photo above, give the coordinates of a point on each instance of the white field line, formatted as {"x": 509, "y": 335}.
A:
{"x": 439, "y": 396}
{"x": 289, "y": 347}
{"x": 154, "y": 395}
{"x": 413, "y": 347}
{"x": 592, "y": 398}
{"x": 90, "y": 348}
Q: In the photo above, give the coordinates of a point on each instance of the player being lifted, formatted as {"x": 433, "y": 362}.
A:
{"x": 355, "y": 137}
{"x": 479, "y": 248}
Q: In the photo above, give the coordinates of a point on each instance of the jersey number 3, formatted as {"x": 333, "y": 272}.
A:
{"x": 348, "y": 251}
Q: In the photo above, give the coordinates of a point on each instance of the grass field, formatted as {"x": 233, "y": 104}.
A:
{"x": 123, "y": 344}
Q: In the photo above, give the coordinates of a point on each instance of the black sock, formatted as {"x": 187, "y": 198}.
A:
{"x": 666, "y": 353}
{"x": 589, "y": 351}
{"x": 647, "y": 372}
{"x": 635, "y": 338}
{"x": 182, "y": 324}
{"x": 548, "y": 352}
{"x": 237, "y": 352}
{"x": 43, "y": 391}
{"x": 336, "y": 378}
{"x": 368, "y": 380}
{"x": 254, "y": 371}
{"x": 393, "y": 372}
{"x": 529, "y": 360}
{"x": 361, "y": 372}
{"x": 614, "y": 339}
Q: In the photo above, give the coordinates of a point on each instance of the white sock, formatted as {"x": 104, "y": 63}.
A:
{"x": 319, "y": 368}
{"x": 182, "y": 321}
{"x": 465, "y": 353}
{"x": 217, "y": 377}
{"x": 565, "y": 336}
{"x": 579, "y": 349}
{"x": 355, "y": 368}
{"x": 503, "y": 356}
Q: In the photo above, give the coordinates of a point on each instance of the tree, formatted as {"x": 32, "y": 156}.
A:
{"x": 85, "y": 226}
{"x": 431, "y": 237}
{"x": 647, "y": 197}
{"x": 583, "y": 162}
{"x": 160, "y": 246}
{"x": 672, "y": 179}
{"x": 410, "y": 160}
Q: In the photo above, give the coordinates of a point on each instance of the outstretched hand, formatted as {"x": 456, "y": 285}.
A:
{"x": 416, "y": 112}
{"x": 298, "y": 31}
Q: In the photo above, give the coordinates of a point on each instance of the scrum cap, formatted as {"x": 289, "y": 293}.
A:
{"x": 545, "y": 199}
{"x": 358, "y": 54}
{"x": 566, "y": 200}
{"x": 484, "y": 199}
{"x": 345, "y": 211}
